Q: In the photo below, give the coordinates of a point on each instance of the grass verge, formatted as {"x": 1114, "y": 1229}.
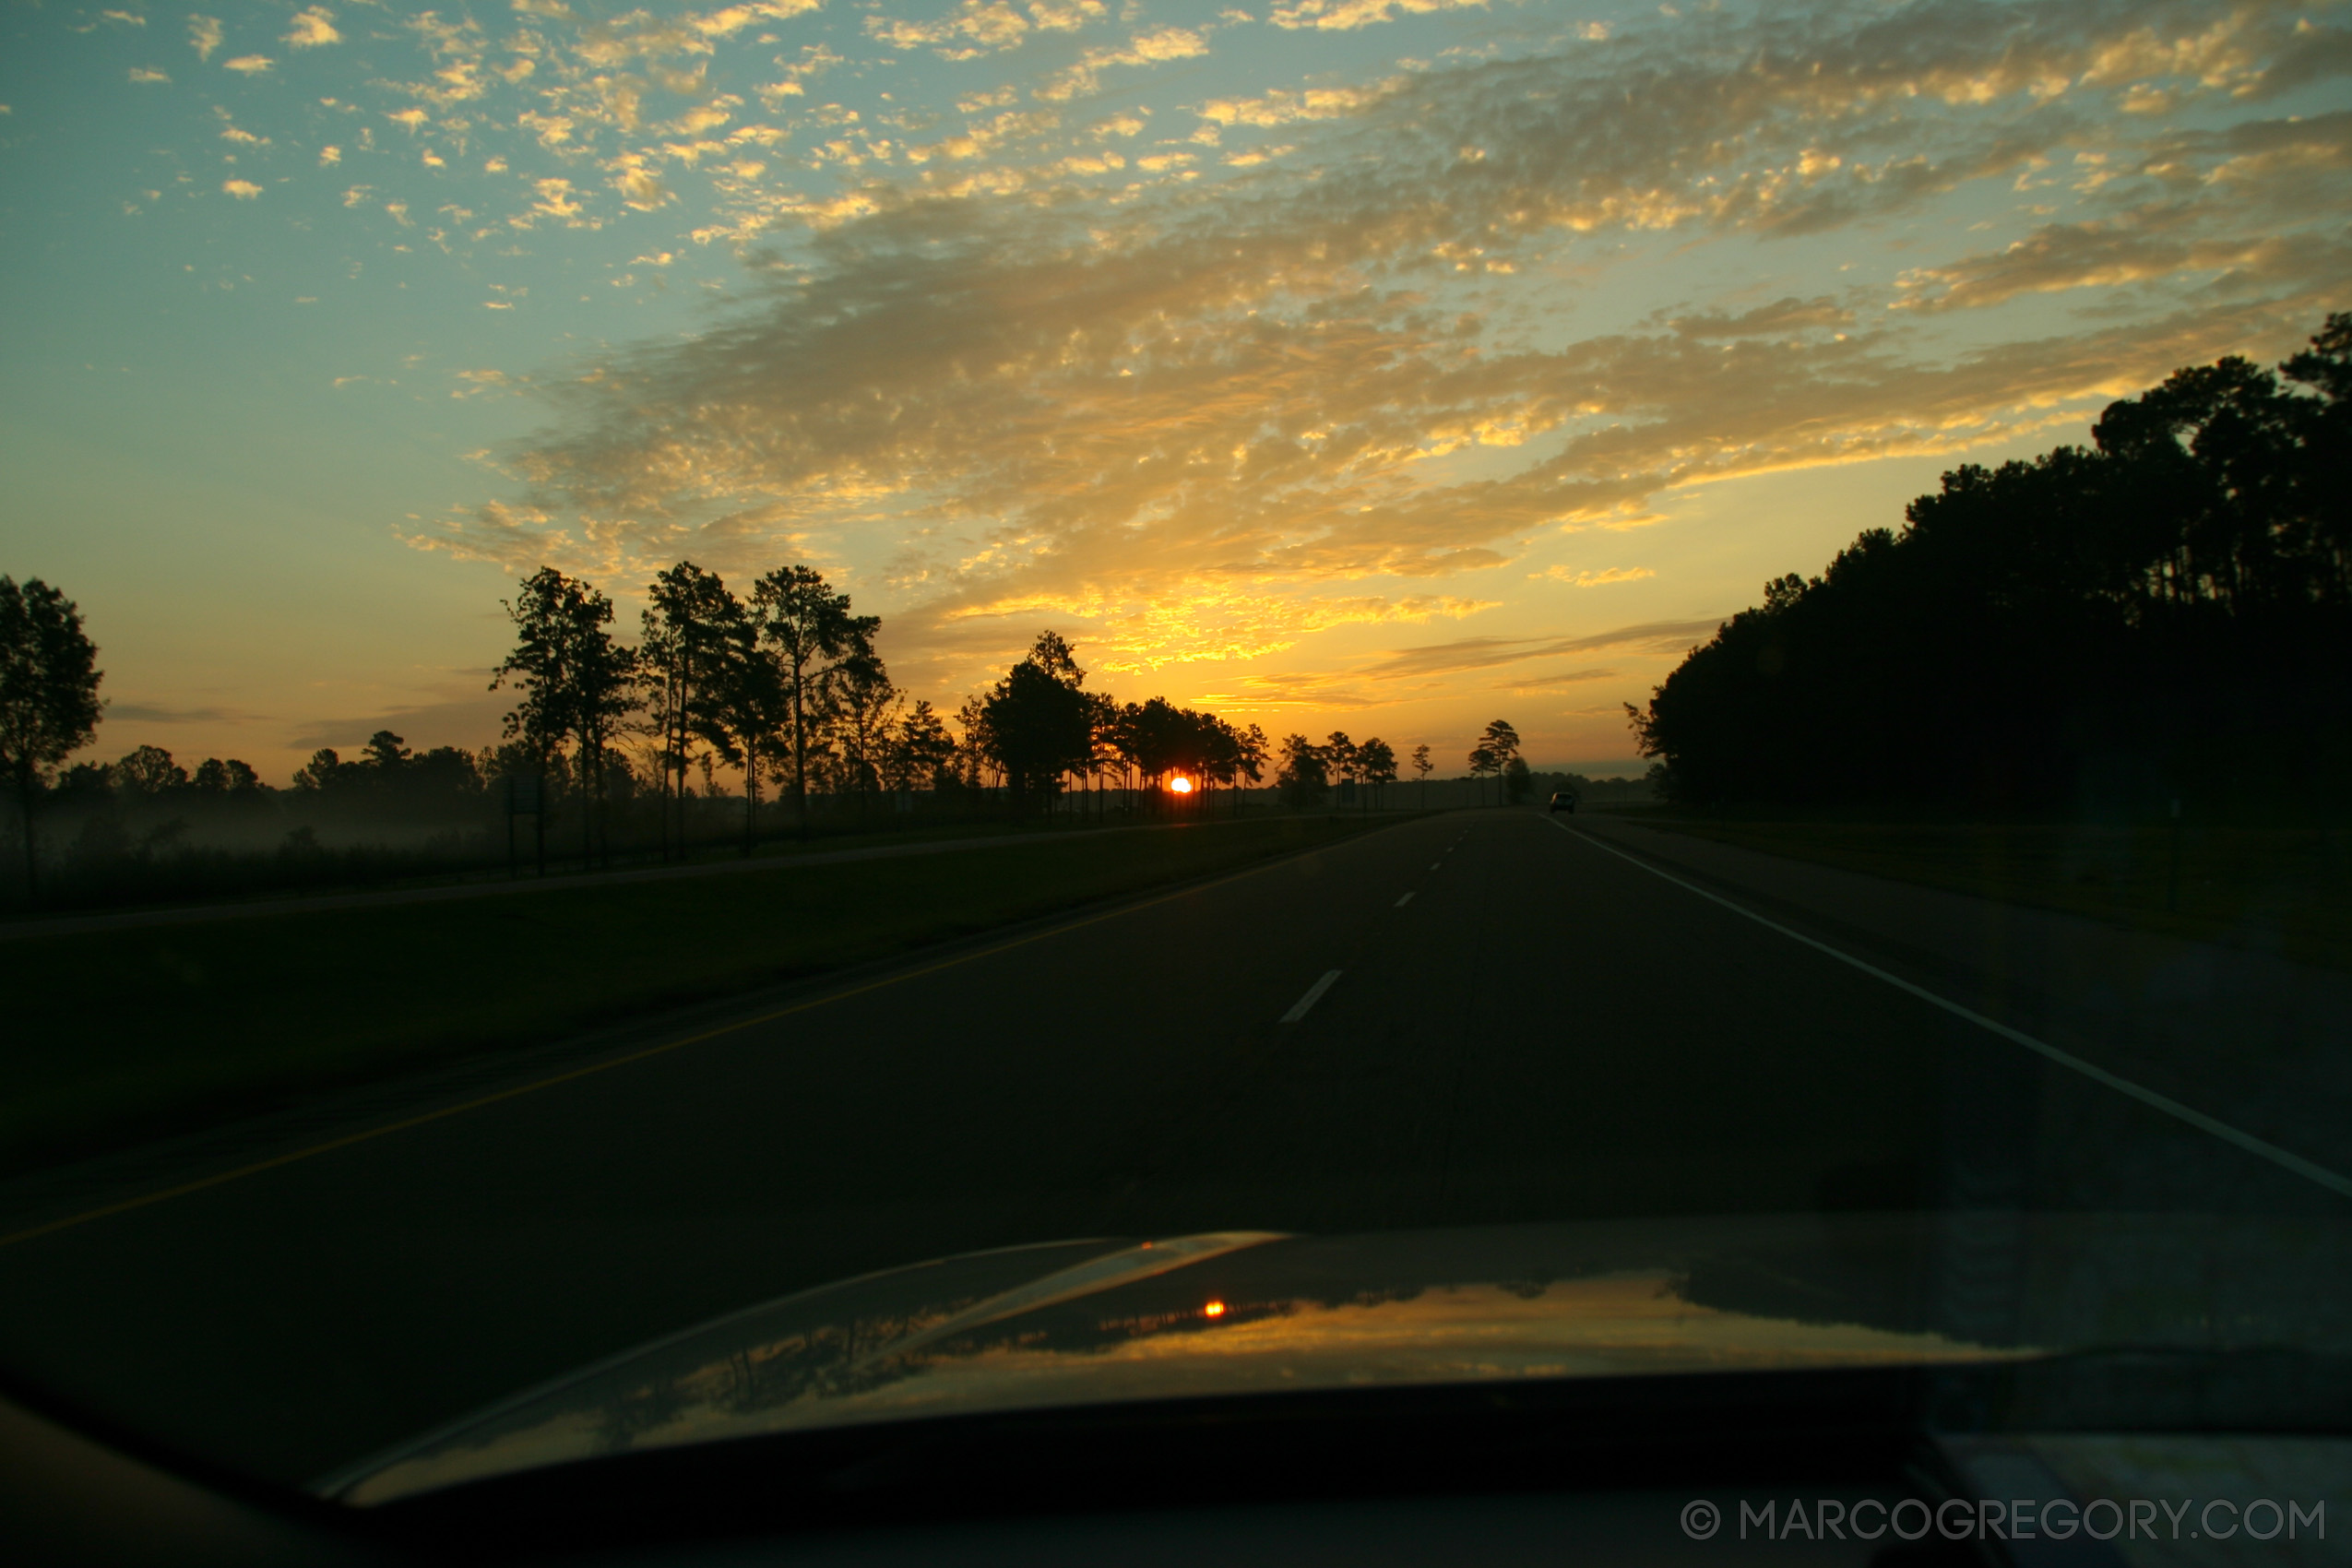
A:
{"x": 2287, "y": 890}
{"x": 121, "y": 1035}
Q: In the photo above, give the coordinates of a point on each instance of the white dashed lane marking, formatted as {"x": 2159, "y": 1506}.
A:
{"x": 1313, "y": 995}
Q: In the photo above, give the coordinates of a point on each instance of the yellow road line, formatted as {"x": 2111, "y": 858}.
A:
{"x": 126, "y": 1204}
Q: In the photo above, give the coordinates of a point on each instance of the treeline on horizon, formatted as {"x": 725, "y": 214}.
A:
{"x": 2164, "y": 615}
{"x": 781, "y": 687}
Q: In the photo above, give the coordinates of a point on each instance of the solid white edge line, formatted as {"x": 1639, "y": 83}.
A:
{"x": 1405, "y": 900}
{"x": 1313, "y": 995}
{"x": 2198, "y": 1119}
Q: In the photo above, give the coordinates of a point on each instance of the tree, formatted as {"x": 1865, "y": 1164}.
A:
{"x": 1250, "y": 756}
{"x": 866, "y": 708}
{"x": 48, "y": 701}
{"x": 1497, "y": 743}
{"x": 148, "y": 771}
{"x": 2125, "y": 621}
{"x": 682, "y": 660}
{"x": 1104, "y": 719}
{"x": 1421, "y": 765}
{"x": 920, "y": 750}
{"x": 1517, "y": 781}
{"x": 324, "y": 771}
{"x": 1376, "y": 761}
{"x": 444, "y": 774}
{"x": 1300, "y": 773}
{"x": 811, "y": 632}
{"x": 576, "y": 682}
{"x": 740, "y": 717}
{"x": 385, "y": 756}
{"x": 1339, "y": 758}
{"x": 214, "y": 777}
{"x": 1039, "y": 723}
{"x": 976, "y": 753}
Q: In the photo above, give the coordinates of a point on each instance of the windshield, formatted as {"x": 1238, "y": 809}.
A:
{"x": 800, "y": 713}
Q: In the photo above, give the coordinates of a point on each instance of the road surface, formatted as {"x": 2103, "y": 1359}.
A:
{"x": 1475, "y": 1018}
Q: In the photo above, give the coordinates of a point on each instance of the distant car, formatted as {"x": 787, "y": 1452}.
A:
{"x": 1563, "y": 800}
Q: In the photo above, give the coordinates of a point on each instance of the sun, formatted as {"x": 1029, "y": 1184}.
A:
{"x": 1179, "y": 785}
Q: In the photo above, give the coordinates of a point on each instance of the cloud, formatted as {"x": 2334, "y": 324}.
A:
{"x": 1158, "y": 46}
{"x": 243, "y": 190}
{"x": 1342, "y": 15}
{"x": 1207, "y": 421}
{"x": 974, "y": 29}
{"x": 1484, "y": 653}
{"x": 1283, "y": 107}
{"x": 1565, "y": 678}
{"x": 2238, "y": 214}
{"x": 166, "y": 713}
{"x": 204, "y": 35}
{"x": 248, "y": 65}
{"x": 1595, "y": 579}
{"x": 143, "y": 74}
{"x": 466, "y": 720}
{"x": 311, "y": 28}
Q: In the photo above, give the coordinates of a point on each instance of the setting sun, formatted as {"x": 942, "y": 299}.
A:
{"x": 1180, "y": 785}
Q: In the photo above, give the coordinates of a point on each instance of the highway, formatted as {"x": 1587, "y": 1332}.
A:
{"x": 1467, "y": 1018}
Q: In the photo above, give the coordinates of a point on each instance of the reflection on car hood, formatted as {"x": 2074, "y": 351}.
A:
{"x": 1073, "y": 1323}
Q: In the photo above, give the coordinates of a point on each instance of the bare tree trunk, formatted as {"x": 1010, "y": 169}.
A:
{"x": 26, "y": 785}
{"x": 751, "y": 794}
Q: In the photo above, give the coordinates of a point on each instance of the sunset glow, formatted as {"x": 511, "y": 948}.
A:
{"x": 1375, "y": 366}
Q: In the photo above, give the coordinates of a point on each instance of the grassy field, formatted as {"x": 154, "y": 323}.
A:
{"x": 2279, "y": 889}
{"x": 114, "y": 1036}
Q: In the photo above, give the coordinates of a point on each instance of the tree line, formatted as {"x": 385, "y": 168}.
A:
{"x": 2167, "y": 611}
{"x": 1307, "y": 772}
{"x": 781, "y": 686}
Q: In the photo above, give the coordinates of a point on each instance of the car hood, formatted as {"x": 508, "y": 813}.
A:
{"x": 1088, "y": 1321}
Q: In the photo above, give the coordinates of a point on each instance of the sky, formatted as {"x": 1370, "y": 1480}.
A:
{"x": 1384, "y": 365}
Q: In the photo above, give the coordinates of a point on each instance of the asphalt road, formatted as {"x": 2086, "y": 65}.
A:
{"x": 1523, "y": 1026}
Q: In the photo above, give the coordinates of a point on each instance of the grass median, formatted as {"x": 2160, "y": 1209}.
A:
{"x": 116, "y": 1036}
{"x": 2281, "y": 889}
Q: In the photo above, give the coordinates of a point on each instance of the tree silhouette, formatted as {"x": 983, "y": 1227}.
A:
{"x": 920, "y": 750}
{"x": 48, "y": 701}
{"x": 214, "y": 777}
{"x": 809, "y": 630}
{"x": 322, "y": 772}
{"x": 386, "y": 754}
{"x": 1250, "y": 756}
{"x": 1038, "y": 721}
{"x": 1498, "y": 745}
{"x": 1300, "y": 772}
{"x": 149, "y": 770}
{"x": 866, "y": 708}
{"x": 1376, "y": 761}
{"x": 682, "y": 661}
{"x": 741, "y": 718}
{"x": 1339, "y": 757}
{"x": 576, "y": 683}
{"x": 2128, "y": 618}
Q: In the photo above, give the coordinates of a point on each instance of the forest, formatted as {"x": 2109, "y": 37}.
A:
{"x": 2164, "y": 615}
